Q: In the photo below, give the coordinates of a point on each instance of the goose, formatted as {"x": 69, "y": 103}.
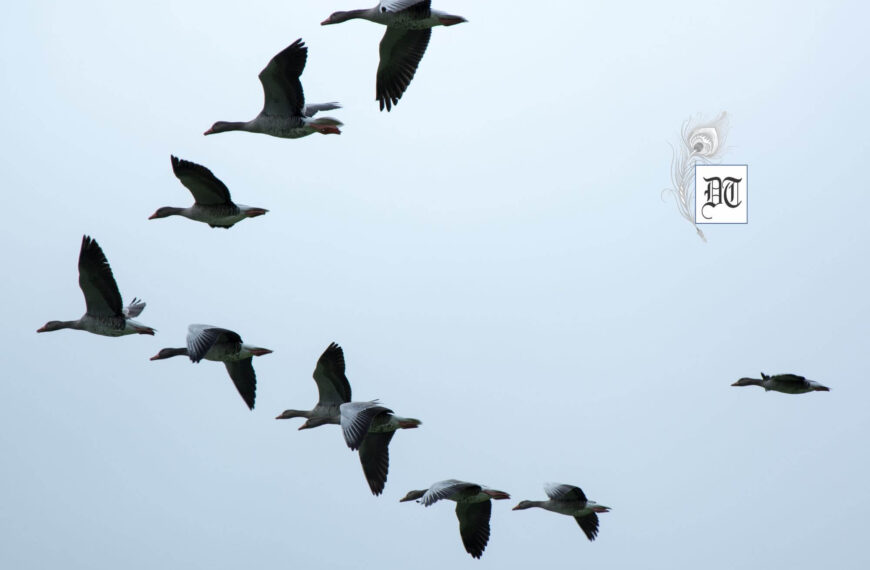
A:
{"x": 332, "y": 387}
{"x": 569, "y": 500}
{"x": 785, "y": 383}
{"x": 104, "y": 313}
{"x": 473, "y": 509}
{"x": 221, "y": 345}
{"x": 370, "y": 427}
{"x": 212, "y": 203}
{"x": 285, "y": 113}
{"x": 409, "y": 27}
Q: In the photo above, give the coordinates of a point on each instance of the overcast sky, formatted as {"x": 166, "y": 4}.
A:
{"x": 495, "y": 258}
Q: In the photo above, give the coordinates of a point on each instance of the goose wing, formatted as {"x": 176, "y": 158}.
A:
{"x": 474, "y": 525}
{"x": 589, "y": 524}
{"x": 401, "y": 52}
{"x": 135, "y": 308}
{"x": 206, "y": 188}
{"x": 332, "y": 385}
{"x": 313, "y": 109}
{"x": 96, "y": 281}
{"x": 282, "y": 90}
{"x": 790, "y": 378}
{"x": 423, "y": 8}
{"x": 566, "y": 493}
{"x": 374, "y": 455}
{"x": 448, "y": 489}
{"x": 356, "y": 418}
{"x": 201, "y": 339}
{"x": 242, "y": 373}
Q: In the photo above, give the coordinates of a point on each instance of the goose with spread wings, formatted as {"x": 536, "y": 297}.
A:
{"x": 212, "y": 203}
{"x": 222, "y": 345}
{"x": 785, "y": 383}
{"x": 569, "y": 500}
{"x": 473, "y": 509}
{"x": 285, "y": 113}
{"x": 409, "y": 27}
{"x": 333, "y": 390}
{"x": 369, "y": 427}
{"x": 104, "y": 314}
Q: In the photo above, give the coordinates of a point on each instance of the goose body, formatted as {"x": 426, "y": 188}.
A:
{"x": 785, "y": 383}
{"x": 222, "y": 345}
{"x": 409, "y": 27}
{"x": 569, "y": 500}
{"x": 212, "y": 203}
{"x": 333, "y": 390}
{"x": 285, "y": 113}
{"x": 473, "y": 509}
{"x": 104, "y": 313}
{"x": 369, "y": 427}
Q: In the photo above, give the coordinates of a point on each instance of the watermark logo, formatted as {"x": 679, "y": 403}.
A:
{"x": 721, "y": 193}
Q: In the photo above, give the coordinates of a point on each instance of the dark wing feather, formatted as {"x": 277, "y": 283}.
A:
{"x": 589, "y": 524}
{"x": 242, "y": 373}
{"x": 102, "y": 297}
{"x": 332, "y": 385}
{"x": 474, "y": 525}
{"x": 566, "y": 493}
{"x": 206, "y": 188}
{"x": 401, "y": 52}
{"x": 417, "y": 8}
{"x": 282, "y": 90}
{"x": 201, "y": 338}
{"x": 374, "y": 455}
{"x": 792, "y": 378}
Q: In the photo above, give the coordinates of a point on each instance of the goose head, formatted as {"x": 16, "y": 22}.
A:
{"x": 412, "y": 496}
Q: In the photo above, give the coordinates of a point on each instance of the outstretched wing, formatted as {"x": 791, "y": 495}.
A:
{"x": 374, "y": 455}
{"x": 400, "y": 54}
{"x": 313, "y": 109}
{"x": 332, "y": 385}
{"x": 419, "y": 8}
{"x": 447, "y": 489}
{"x": 242, "y": 373}
{"x": 102, "y": 297}
{"x": 474, "y": 526}
{"x": 566, "y": 493}
{"x": 282, "y": 90}
{"x": 201, "y": 338}
{"x": 589, "y": 524}
{"x": 206, "y": 188}
{"x": 356, "y": 418}
{"x": 135, "y": 308}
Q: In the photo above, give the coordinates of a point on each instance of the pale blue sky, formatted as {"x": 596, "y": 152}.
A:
{"x": 493, "y": 256}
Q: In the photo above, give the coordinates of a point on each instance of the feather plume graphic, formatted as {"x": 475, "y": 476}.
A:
{"x": 702, "y": 143}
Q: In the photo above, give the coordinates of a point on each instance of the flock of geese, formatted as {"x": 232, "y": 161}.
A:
{"x": 367, "y": 426}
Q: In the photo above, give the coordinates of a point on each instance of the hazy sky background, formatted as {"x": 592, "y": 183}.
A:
{"x": 494, "y": 257}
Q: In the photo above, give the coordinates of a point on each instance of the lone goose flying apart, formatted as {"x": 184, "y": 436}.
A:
{"x": 370, "y": 427}
{"x": 473, "y": 509}
{"x": 332, "y": 387}
{"x": 409, "y": 27}
{"x": 104, "y": 313}
{"x": 285, "y": 113}
{"x": 212, "y": 203}
{"x": 222, "y": 345}
{"x": 569, "y": 500}
{"x": 785, "y": 383}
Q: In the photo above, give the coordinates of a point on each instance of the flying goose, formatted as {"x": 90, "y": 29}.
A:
{"x": 409, "y": 27}
{"x": 285, "y": 113}
{"x": 473, "y": 509}
{"x": 104, "y": 313}
{"x": 569, "y": 500}
{"x": 370, "y": 427}
{"x": 785, "y": 383}
{"x": 222, "y": 345}
{"x": 212, "y": 203}
{"x": 332, "y": 387}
